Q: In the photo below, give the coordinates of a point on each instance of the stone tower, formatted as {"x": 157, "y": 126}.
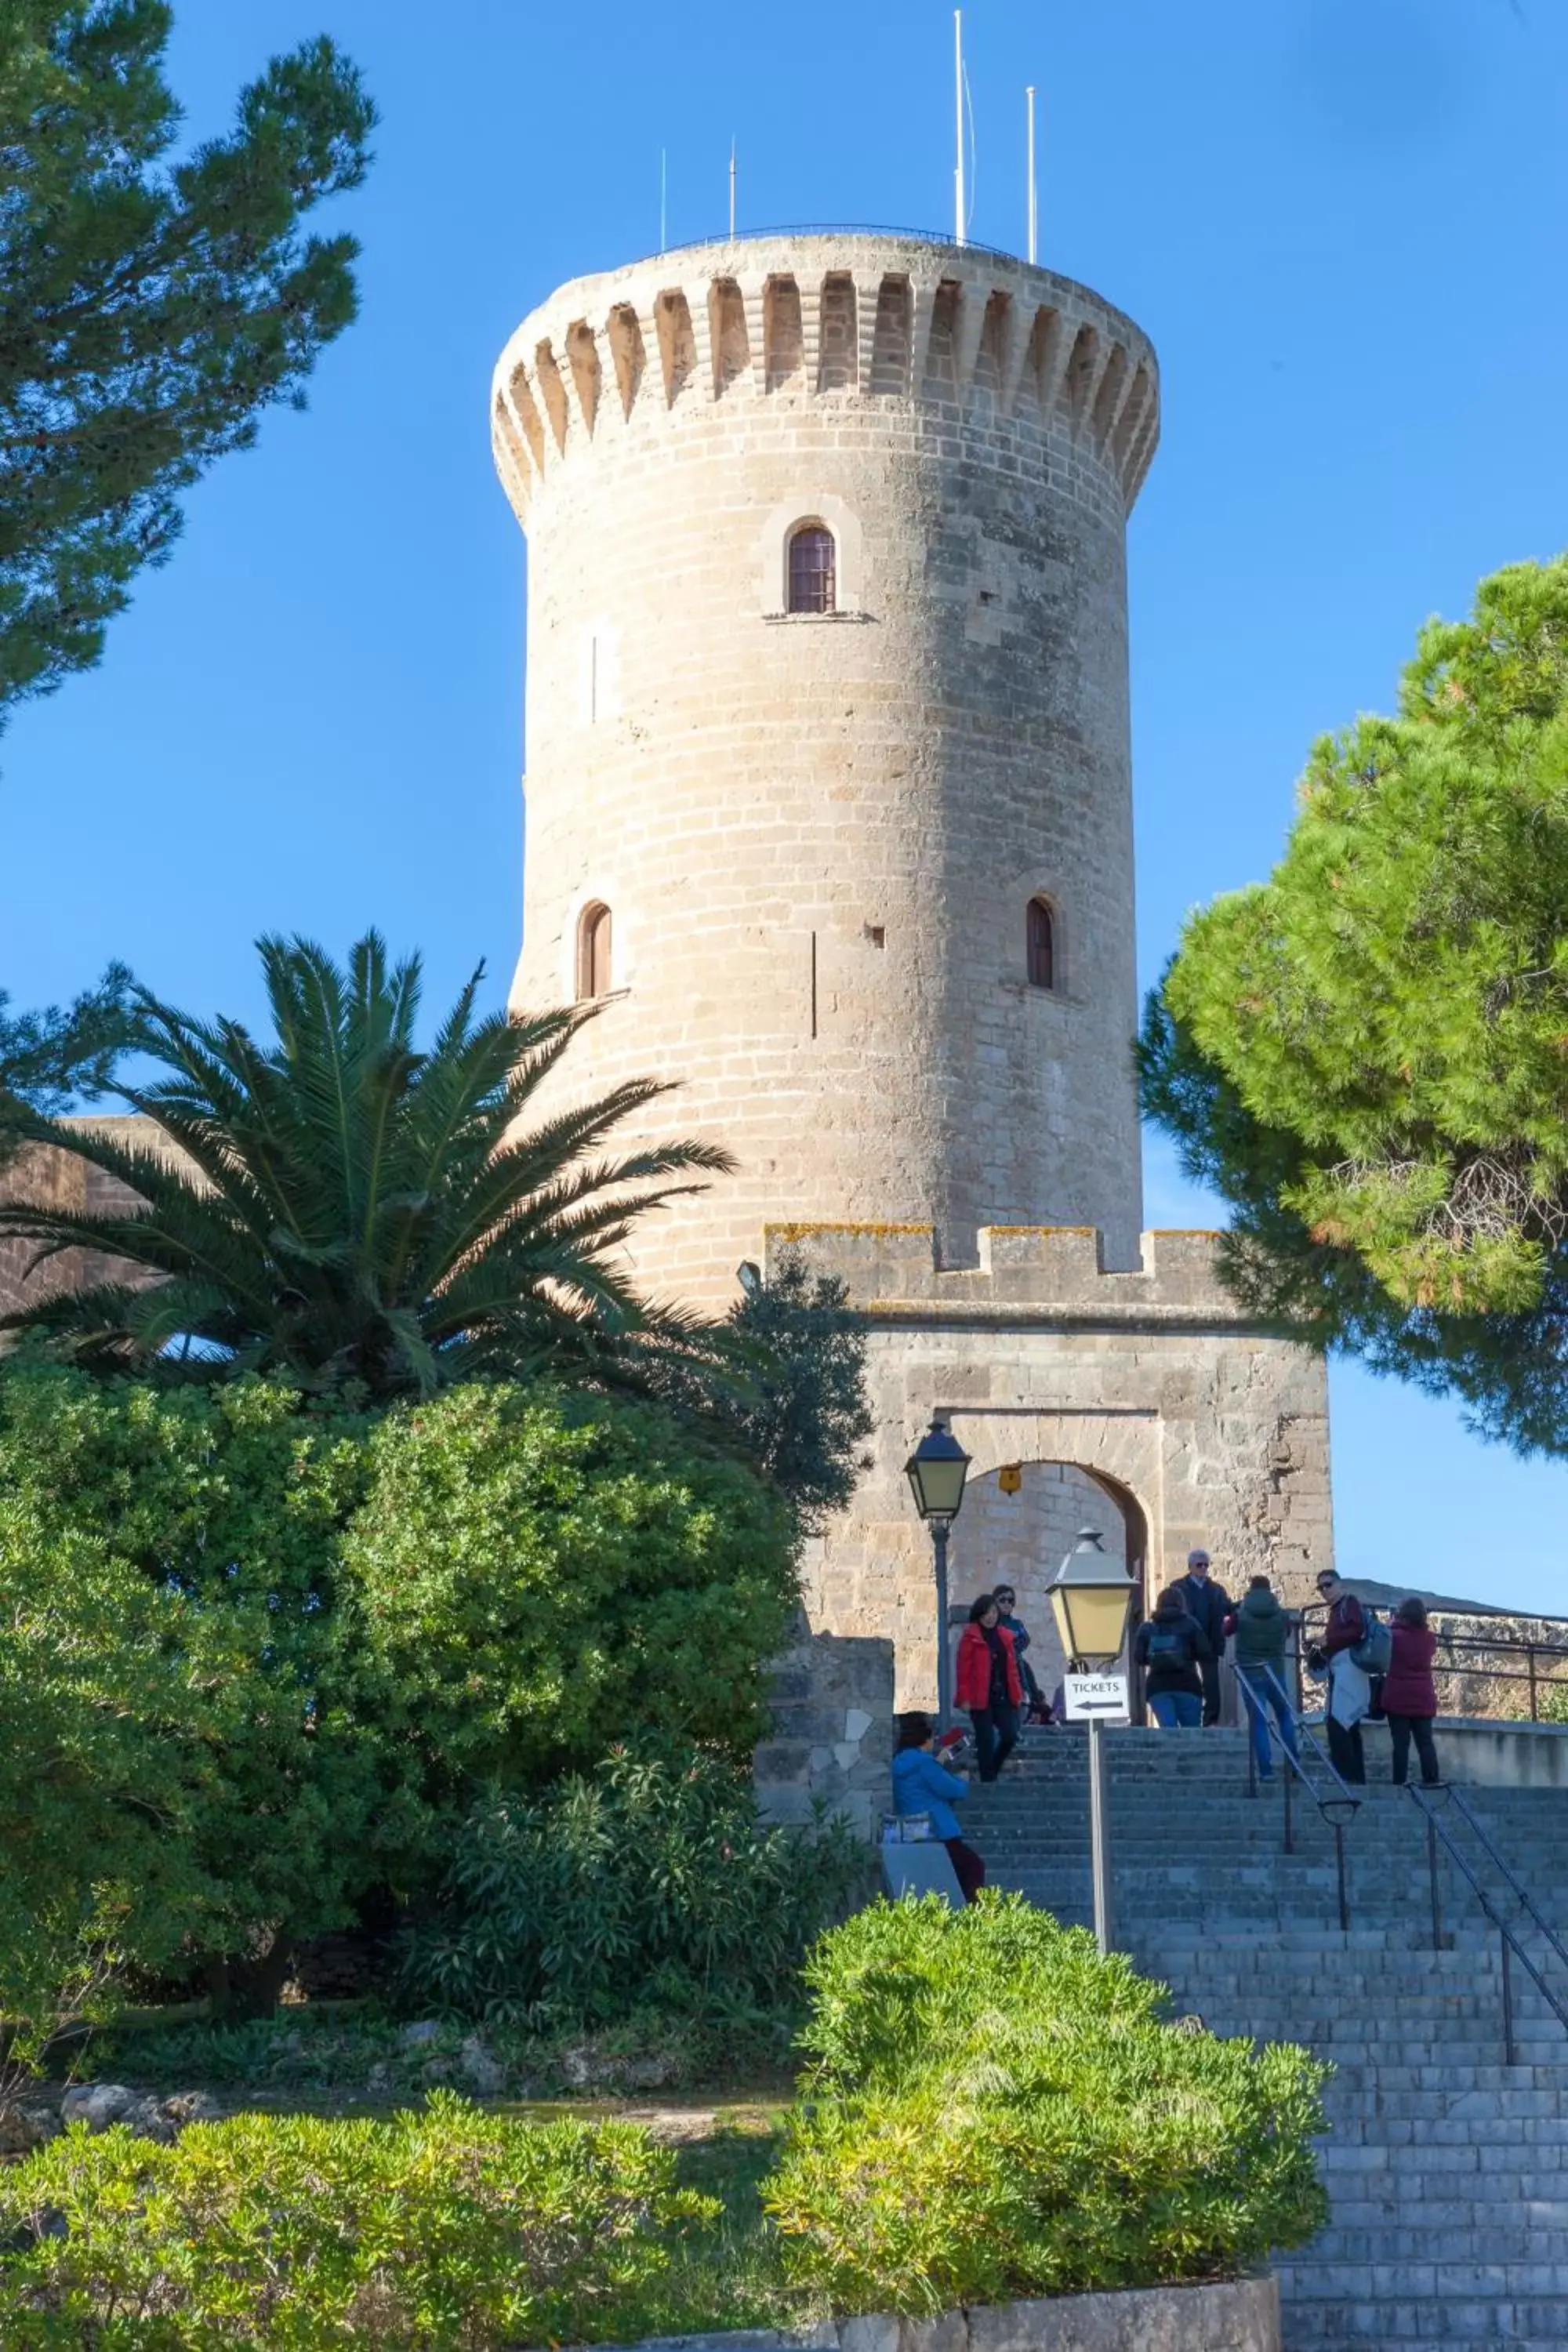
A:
{"x": 829, "y": 801}
{"x": 861, "y": 841}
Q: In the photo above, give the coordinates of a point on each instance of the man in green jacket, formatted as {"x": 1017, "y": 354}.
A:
{"x": 1262, "y": 1631}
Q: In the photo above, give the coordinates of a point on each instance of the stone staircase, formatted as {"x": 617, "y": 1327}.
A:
{"x": 1447, "y": 2166}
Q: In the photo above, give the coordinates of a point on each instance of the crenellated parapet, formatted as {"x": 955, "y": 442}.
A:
{"x": 1031, "y": 1271}
{"x": 835, "y": 319}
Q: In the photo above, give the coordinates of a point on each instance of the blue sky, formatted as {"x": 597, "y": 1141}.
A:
{"x": 1342, "y": 222}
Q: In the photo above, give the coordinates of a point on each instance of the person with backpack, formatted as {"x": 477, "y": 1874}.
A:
{"x": 988, "y": 1685}
{"x": 1409, "y": 1693}
{"x": 1208, "y": 1605}
{"x": 922, "y": 1784}
{"x": 1350, "y": 1686}
{"x": 1172, "y": 1650}
{"x": 1260, "y": 1629}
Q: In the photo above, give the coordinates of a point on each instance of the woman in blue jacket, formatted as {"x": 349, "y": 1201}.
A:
{"x": 922, "y": 1785}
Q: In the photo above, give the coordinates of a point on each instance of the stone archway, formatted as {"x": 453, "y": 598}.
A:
{"x": 1017, "y": 1530}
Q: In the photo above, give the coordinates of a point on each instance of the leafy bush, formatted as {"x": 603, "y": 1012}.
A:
{"x": 446, "y": 2229}
{"x": 799, "y": 1410}
{"x": 997, "y": 2112}
{"x": 651, "y": 1881}
{"x": 88, "y": 1871}
{"x": 541, "y": 1575}
{"x": 259, "y": 1651}
{"x": 176, "y": 1551}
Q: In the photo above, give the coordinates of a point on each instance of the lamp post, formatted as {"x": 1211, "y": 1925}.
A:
{"x": 936, "y": 1471}
{"x": 1091, "y": 1599}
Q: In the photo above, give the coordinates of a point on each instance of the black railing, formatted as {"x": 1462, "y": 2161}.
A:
{"x": 1432, "y": 1804}
{"x": 1541, "y": 1668}
{"x": 1337, "y": 1806}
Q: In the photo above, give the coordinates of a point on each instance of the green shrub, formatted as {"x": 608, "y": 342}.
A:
{"x": 651, "y": 1883}
{"x": 446, "y": 2229}
{"x": 174, "y": 1550}
{"x": 88, "y": 1870}
{"x": 261, "y": 1651}
{"x": 541, "y": 1575}
{"x": 997, "y": 2112}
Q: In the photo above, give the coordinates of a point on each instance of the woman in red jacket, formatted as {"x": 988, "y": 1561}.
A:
{"x": 989, "y": 1685}
{"x": 1409, "y": 1696}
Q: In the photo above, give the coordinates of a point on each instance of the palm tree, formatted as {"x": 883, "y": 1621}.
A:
{"x": 342, "y": 1208}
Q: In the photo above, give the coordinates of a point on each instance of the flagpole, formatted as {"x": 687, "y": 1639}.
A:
{"x": 958, "y": 112}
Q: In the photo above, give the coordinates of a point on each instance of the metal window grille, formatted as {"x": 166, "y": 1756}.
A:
{"x": 1042, "y": 946}
{"x": 811, "y": 584}
{"x": 594, "y": 952}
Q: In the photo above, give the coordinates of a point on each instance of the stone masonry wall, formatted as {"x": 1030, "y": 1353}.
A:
{"x": 57, "y": 1180}
{"x": 1192, "y": 1426}
{"x": 832, "y": 1739}
{"x": 818, "y": 835}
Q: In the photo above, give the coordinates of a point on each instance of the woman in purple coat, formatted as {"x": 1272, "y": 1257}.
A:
{"x": 1409, "y": 1696}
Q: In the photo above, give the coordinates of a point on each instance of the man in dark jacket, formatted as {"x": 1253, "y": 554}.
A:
{"x": 1345, "y": 1632}
{"x": 1208, "y": 1606}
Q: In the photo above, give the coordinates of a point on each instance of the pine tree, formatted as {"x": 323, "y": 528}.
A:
{"x": 151, "y": 305}
{"x": 1367, "y": 1055}
{"x": 51, "y": 1059}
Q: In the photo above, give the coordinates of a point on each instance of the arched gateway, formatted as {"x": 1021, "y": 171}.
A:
{"x": 1146, "y": 1391}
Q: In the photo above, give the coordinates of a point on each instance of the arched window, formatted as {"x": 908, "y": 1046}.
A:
{"x": 594, "y": 951}
{"x": 812, "y": 567}
{"x": 1040, "y": 944}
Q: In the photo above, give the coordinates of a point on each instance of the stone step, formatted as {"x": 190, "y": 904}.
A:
{"x": 1486, "y": 2325}
{"x": 1446, "y": 2167}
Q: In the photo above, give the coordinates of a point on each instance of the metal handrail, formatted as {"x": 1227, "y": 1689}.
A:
{"x": 1510, "y": 1942}
{"x": 1537, "y": 1677}
{"x": 1338, "y": 1812}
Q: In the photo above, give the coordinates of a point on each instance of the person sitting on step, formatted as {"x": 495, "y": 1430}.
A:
{"x": 988, "y": 1685}
{"x": 1172, "y": 1650}
{"x": 923, "y": 1785}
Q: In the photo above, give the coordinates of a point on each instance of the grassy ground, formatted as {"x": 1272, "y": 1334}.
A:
{"x": 328, "y": 2058}
{"x": 737, "y": 2271}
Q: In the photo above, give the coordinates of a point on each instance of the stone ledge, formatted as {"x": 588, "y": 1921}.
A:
{"x": 1236, "y": 2316}
{"x": 893, "y": 1270}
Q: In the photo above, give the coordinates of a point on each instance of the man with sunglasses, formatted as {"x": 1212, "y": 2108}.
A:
{"x": 1350, "y": 1692}
{"x": 1006, "y": 1602}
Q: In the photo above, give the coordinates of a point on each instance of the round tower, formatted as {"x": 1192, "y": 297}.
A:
{"x": 829, "y": 791}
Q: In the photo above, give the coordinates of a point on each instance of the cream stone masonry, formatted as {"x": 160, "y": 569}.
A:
{"x": 1140, "y": 1396}
{"x": 818, "y": 835}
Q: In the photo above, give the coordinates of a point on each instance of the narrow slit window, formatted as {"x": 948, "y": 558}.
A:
{"x": 813, "y": 583}
{"x": 1041, "y": 945}
{"x": 594, "y": 952}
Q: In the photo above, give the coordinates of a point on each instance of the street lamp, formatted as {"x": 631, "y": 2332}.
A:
{"x": 1091, "y": 1596}
{"x": 1091, "y": 1600}
{"x": 936, "y": 1471}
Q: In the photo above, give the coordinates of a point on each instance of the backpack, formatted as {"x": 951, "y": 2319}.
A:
{"x": 1169, "y": 1645}
{"x": 1373, "y": 1653}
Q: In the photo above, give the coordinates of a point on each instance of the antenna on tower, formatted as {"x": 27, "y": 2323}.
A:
{"x": 1034, "y": 198}
{"x": 663, "y": 198}
{"x": 958, "y": 116}
{"x": 732, "y": 189}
